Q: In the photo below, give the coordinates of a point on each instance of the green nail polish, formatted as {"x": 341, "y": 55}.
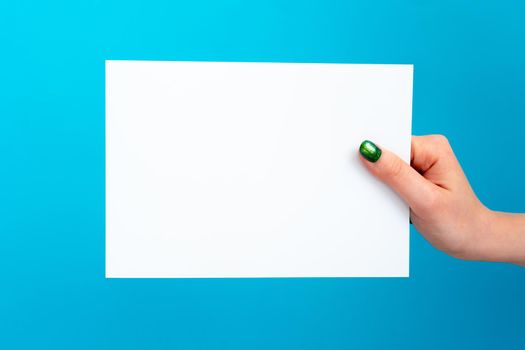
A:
{"x": 370, "y": 151}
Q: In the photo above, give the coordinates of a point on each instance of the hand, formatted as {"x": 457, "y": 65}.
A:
{"x": 443, "y": 206}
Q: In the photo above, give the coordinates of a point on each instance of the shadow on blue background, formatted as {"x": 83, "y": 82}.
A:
{"x": 469, "y": 84}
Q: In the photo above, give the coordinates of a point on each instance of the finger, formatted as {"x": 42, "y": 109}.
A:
{"x": 433, "y": 158}
{"x": 417, "y": 192}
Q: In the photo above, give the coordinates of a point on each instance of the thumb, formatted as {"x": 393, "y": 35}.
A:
{"x": 415, "y": 190}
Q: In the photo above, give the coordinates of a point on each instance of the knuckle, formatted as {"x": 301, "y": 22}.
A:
{"x": 394, "y": 168}
{"x": 440, "y": 144}
{"x": 440, "y": 140}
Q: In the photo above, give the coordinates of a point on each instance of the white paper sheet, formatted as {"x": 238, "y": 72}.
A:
{"x": 251, "y": 169}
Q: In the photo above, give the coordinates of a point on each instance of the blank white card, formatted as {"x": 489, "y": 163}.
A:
{"x": 217, "y": 169}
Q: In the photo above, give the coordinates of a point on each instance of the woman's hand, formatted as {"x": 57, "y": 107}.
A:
{"x": 443, "y": 206}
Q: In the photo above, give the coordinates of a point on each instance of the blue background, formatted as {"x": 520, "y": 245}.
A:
{"x": 469, "y": 84}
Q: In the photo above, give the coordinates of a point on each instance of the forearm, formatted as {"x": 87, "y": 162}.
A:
{"x": 505, "y": 238}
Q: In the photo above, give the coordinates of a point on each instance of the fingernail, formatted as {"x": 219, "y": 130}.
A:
{"x": 370, "y": 151}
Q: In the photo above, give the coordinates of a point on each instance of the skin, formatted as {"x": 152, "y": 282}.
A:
{"x": 445, "y": 209}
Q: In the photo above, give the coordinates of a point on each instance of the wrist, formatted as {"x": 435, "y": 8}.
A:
{"x": 480, "y": 235}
